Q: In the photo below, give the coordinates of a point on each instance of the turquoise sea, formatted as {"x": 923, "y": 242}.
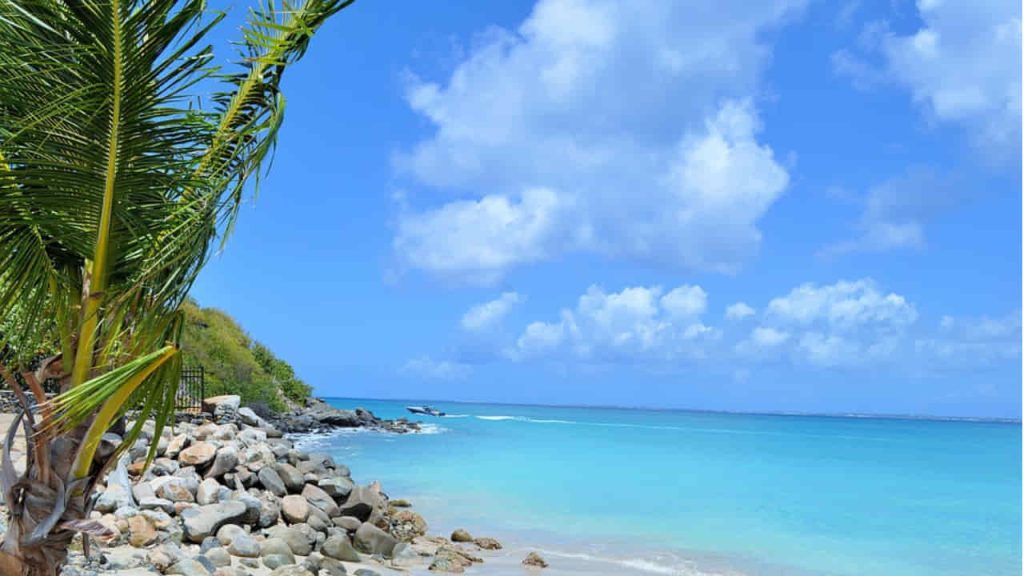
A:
{"x": 675, "y": 492}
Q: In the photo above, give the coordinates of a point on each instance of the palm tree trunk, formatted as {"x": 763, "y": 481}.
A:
{"x": 42, "y": 518}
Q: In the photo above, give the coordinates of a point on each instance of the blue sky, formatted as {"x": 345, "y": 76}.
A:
{"x": 787, "y": 205}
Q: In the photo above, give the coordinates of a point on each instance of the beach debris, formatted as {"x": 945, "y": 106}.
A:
{"x": 534, "y": 560}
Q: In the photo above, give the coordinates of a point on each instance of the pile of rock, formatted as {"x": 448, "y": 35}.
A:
{"x": 233, "y": 496}
{"x": 318, "y": 416}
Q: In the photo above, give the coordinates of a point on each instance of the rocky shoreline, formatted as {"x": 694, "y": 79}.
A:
{"x": 230, "y": 495}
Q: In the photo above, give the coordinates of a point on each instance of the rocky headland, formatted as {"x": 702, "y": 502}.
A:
{"x": 229, "y": 494}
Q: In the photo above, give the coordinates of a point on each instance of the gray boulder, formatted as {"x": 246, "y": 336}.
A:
{"x": 298, "y": 542}
{"x": 272, "y": 481}
{"x": 188, "y": 567}
{"x": 291, "y": 477}
{"x": 224, "y": 462}
{"x": 203, "y": 521}
{"x": 321, "y": 499}
{"x": 218, "y": 556}
{"x": 340, "y": 547}
{"x": 247, "y": 416}
{"x": 245, "y": 546}
{"x": 373, "y": 540}
{"x": 361, "y": 503}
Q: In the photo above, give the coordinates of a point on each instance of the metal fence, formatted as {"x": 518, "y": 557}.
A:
{"x": 191, "y": 389}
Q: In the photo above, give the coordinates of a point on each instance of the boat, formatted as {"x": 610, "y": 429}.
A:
{"x": 425, "y": 410}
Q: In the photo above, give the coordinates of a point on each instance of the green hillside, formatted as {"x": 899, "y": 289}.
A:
{"x": 235, "y": 363}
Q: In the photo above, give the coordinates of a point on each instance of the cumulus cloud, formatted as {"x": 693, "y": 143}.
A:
{"x": 636, "y": 121}
{"x": 739, "y": 311}
{"x": 843, "y": 306}
{"x": 845, "y": 325}
{"x": 427, "y": 367}
{"x": 961, "y": 65}
{"x": 637, "y": 322}
{"x": 488, "y": 314}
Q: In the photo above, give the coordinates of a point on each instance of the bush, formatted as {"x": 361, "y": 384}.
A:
{"x": 236, "y": 364}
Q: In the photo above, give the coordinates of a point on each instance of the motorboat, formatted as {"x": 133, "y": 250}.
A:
{"x": 425, "y": 410}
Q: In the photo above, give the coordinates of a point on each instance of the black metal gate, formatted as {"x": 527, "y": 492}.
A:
{"x": 191, "y": 389}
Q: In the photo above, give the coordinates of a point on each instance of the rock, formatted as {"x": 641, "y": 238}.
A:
{"x": 247, "y": 416}
{"x": 291, "y": 477}
{"x": 218, "y": 556}
{"x": 406, "y": 525}
{"x": 318, "y": 519}
{"x": 154, "y": 503}
{"x": 119, "y": 489}
{"x": 295, "y": 509}
{"x": 252, "y": 437}
{"x": 340, "y": 547}
{"x": 203, "y": 521}
{"x": 401, "y": 503}
{"x": 350, "y": 523}
{"x": 142, "y": 533}
{"x": 224, "y": 462}
{"x": 188, "y": 567}
{"x": 198, "y": 454}
{"x": 332, "y": 567}
{"x": 452, "y": 559}
{"x": 460, "y": 535}
{"x": 222, "y": 406}
{"x": 141, "y": 491}
{"x": 322, "y": 500}
{"x": 312, "y": 562}
{"x": 208, "y": 492}
{"x": 274, "y": 561}
{"x": 174, "y": 489}
{"x": 244, "y": 545}
{"x": 291, "y": 570}
{"x": 164, "y": 466}
{"x": 253, "y": 507}
{"x": 228, "y": 532}
{"x": 336, "y": 487}
{"x": 405, "y": 554}
{"x": 296, "y": 539}
{"x": 175, "y": 445}
{"x": 361, "y": 503}
{"x": 209, "y": 543}
{"x": 270, "y": 480}
{"x": 487, "y": 543}
{"x": 165, "y": 555}
{"x": 373, "y": 540}
{"x": 270, "y": 511}
{"x": 158, "y": 518}
{"x": 365, "y": 572}
{"x": 206, "y": 563}
{"x": 276, "y": 546}
{"x": 534, "y": 560}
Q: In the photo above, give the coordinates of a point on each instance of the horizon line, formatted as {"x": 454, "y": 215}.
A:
{"x": 848, "y": 415}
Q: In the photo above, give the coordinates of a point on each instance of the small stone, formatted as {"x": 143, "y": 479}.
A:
{"x": 274, "y": 561}
{"x": 350, "y": 523}
{"x": 401, "y": 503}
{"x": 142, "y": 532}
{"x": 175, "y": 445}
{"x": 197, "y": 454}
{"x": 332, "y": 567}
{"x": 295, "y": 509}
{"x": 534, "y": 560}
{"x": 208, "y": 492}
{"x": 245, "y": 546}
{"x": 204, "y": 521}
{"x": 228, "y": 532}
{"x": 218, "y": 556}
{"x": 460, "y": 535}
{"x": 295, "y": 537}
{"x": 276, "y": 546}
{"x": 209, "y": 543}
{"x": 188, "y": 567}
{"x": 154, "y": 503}
{"x": 291, "y": 570}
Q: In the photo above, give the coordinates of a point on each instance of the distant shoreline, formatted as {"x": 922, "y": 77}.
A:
{"x": 787, "y": 414}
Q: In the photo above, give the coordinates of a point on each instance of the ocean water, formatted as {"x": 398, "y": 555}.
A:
{"x": 672, "y": 492}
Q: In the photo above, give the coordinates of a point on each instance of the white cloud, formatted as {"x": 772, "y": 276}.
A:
{"x": 486, "y": 315}
{"x": 636, "y": 120}
{"x": 768, "y": 337}
{"x": 685, "y": 301}
{"x": 635, "y": 323}
{"x": 962, "y": 65}
{"x": 427, "y": 367}
{"x": 739, "y": 311}
{"x": 843, "y": 306}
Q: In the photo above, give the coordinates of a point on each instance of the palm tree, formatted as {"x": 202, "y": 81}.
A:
{"x": 116, "y": 183}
